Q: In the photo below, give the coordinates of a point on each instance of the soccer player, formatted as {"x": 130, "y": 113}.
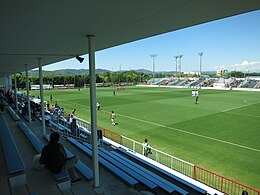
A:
{"x": 113, "y": 117}
{"x": 197, "y": 99}
{"x": 98, "y": 105}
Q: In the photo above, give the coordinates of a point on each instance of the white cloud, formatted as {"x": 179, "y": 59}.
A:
{"x": 243, "y": 67}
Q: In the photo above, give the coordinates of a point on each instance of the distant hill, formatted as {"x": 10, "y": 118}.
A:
{"x": 71, "y": 72}
{"x": 66, "y": 72}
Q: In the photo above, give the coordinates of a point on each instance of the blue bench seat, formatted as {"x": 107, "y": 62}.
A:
{"x": 12, "y": 155}
{"x": 13, "y": 114}
{"x": 132, "y": 172}
{"x": 174, "y": 177}
{"x": 121, "y": 174}
{"x": 163, "y": 183}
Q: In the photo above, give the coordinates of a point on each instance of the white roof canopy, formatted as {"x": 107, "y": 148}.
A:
{"x": 56, "y": 30}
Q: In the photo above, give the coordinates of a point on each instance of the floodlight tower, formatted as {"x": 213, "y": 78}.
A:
{"x": 200, "y": 54}
{"x": 153, "y": 56}
{"x": 176, "y": 59}
{"x": 180, "y": 56}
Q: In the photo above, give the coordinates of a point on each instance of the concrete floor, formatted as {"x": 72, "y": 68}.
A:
{"x": 42, "y": 181}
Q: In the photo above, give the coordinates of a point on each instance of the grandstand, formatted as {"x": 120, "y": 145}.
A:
{"x": 208, "y": 82}
{"x": 35, "y": 39}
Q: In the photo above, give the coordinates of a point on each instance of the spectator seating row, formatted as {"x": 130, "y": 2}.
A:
{"x": 13, "y": 114}
{"x": 161, "y": 182}
{"x": 142, "y": 174}
{"x": 121, "y": 174}
{"x": 14, "y": 161}
{"x": 174, "y": 177}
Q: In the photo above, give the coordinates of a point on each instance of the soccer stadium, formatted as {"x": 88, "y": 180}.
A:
{"x": 177, "y": 134}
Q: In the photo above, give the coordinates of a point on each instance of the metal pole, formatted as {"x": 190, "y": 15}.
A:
{"x": 15, "y": 88}
{"x": 176, "y": 59}
{"x": 200, "y": 54}
{"x": 8, "y": 84}
{"x": 28, "y": 93}
{"x": 42, "y": 97}
{"x": 92, "y": 78}
{"x": 153, "y": 56}
{"x": 180, "y": 56}
{"x": 153, "y": 70}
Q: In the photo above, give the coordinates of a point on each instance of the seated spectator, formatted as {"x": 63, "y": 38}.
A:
{"x": 55, "y": 158}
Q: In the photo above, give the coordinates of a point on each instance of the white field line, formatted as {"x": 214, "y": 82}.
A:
{"x": 183, "y": 131}
{"x": 195, "y": 134}
{"x": 251, "y": 115}
{"x": 245, "y": 105}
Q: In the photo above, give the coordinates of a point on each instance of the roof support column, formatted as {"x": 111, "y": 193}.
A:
{"x": 6, "y": 84}
{"x": 42, "y": 97}
{"x": 15, "y": 90}
{"x": 92, "y": 78}
{"x": 9, "y": 77}
{"x": 28, "y": 93}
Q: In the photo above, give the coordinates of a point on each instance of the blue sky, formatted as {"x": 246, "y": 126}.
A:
{"x": 232, "y": 43}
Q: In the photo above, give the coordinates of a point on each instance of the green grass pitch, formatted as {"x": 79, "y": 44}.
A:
{"x": 221, "y": 134}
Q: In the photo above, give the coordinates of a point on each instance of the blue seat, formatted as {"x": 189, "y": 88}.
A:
{"x": 139, "y": 177}
{"x": 13, "y": 114}
{"x": 80, "y": 166}
{"x": 12, "y": 155}
{"x": 125, "y": 177}
{"x": 38, "y": 145}
{"x": 194, "y": 187}
{"x": 147, "y": 181}
{"x": 163, "y": 183}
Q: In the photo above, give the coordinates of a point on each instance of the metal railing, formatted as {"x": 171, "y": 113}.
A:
{"x": 173, "y": 162}
{"x": 202, "y": 175}
{"x": 222, "y": 183}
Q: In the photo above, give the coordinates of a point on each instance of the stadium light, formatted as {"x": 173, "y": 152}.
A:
{"x": 176, "y": 59}
{"x": 153, "y": 56}
{"x": 200, "y": 54}
{"x": 180, "y": 56}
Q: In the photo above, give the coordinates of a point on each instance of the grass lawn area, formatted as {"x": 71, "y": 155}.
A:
{"x": 221, "y": 134}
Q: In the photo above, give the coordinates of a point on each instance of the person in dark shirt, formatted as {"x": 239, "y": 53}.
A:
{"x": 55, "y": 158}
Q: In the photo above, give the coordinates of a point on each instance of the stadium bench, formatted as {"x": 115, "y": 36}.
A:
{"x": 13, "y": 114}
{"x": 85, "y": 134}
{"x": 82, "y": 168}
{"x": 194, "y": 187}
{"x": 61, "y": 128}
{"x": 163, "y": 183}
{"x": 38, "y": 145}
{"x": 125, "y": 177}
{"x": 14, "y": 162}
{"x": 139, "y": 177}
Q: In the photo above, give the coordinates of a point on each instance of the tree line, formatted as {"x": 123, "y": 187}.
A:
{"x": 110, "y": 78}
